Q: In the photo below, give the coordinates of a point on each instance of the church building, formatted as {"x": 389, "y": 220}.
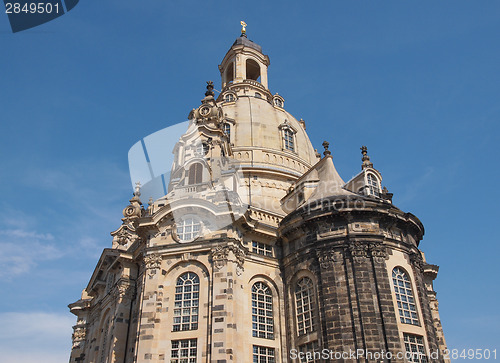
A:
{"x": 258, "y": 251}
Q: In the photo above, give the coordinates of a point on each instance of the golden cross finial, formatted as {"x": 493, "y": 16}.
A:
{"x": 243, "y": 27}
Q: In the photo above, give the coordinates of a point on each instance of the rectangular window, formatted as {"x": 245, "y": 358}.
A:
{"x": 263, "y": 354}
{"x": 415, "y": 349}
{"x": 311, "y": 352}
{"x": 262, "y": 249}
{"x": 183, "y": 351}
{"x": 288, "y": 141}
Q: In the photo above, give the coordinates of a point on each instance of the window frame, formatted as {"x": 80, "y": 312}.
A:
{"x": 176, "y": 345}
{"x": 310, "y": 313}
{"x": 179, "y": 323}
{"x": 262, "y": 315}
{"x": 227, "y": 125}
{"x": 195, "y": 224}
{"x": 263, "y": 352}
{"x": 404, "y": 298}
{"x": 310, "y": 349}
{"x": 419, "y": 353}
{"x": 262, "y": 249}
{"x": 373, "y": 185}
{"x": 230, "y": 95}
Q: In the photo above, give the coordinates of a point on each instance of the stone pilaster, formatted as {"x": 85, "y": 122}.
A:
{"x": 227, "y": 265}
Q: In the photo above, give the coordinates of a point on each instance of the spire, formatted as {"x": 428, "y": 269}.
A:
{"x": 243, "y": 29}
{"x": 365, "y": 159}
{"x": 327, "y": 152}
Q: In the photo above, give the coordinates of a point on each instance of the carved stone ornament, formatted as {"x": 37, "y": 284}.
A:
{"x": 152, "y": 263}
{"x": 378, "y": 252}
{"x": 125, "y": 235}
{"x": 79, "y": 335}
{"x": 327, "y": 258}
{"x": 220, "y": 257}
{"x": 417, "y": 261}
{"x": 124, "y": 290}
{"x": 358, "y": 251}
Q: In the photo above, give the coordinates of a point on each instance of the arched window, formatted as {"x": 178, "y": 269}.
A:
{"x": 373, "y": 188}
{"x": 187, "y": 296}
{"x": 188, "y": 229}
{"x": 404, "y": 296}
{"x": 104, "y": 341}
{"x": 195, "y": 174}
{"x": 227, "y": 130}
{"x": 278, "y": 102}
{"x": 253, "y": 70}
{"x": 262, "y": 311}
{"x": 229, "y": 97}
{"x": 230, "y": 73}
{"x": 304, "y": 302}
{"x": 288, "y": 142}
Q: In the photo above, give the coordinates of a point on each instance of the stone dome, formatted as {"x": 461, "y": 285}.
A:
{"x": 259, "y": 128}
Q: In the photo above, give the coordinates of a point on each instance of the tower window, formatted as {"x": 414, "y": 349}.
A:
{"x": 263, "y": 354}
{"x": 258, "y": 95}
{"x": 188, "y": 229}
{"x": 278, "y": 102}
{"x": 230, "y": 73}
{"x": 373, "y": 188}
{"x": 187, "y": 295}
{"x": 415, "y": 349}
{"x": 262, "y": 311}
{"x": 304, "y": 292}
{"x": 288, "y": 141}
{"x": 226, "y": 128}
{"x": 229, "y": 97}
{"x": 183, "y": 351}
{"x": 404, "y": 297}
{"x": 195, "y": 174}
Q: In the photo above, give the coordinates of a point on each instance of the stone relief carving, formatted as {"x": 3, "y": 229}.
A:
{"x": 152, "y": 263}
{"x": 417, "y": 261}
{"x": 125, "y": 235}
{"x": 378, "y": 252}
{"x": 124, "y": 289}
{"x": 326, "y": 258}
{"x": 358, "y": 251}
{"x": 220, "y": 256}
{"x": 79, "y": 335}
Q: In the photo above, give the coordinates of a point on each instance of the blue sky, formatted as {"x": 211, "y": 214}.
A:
{"x": 417, "y": 82}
